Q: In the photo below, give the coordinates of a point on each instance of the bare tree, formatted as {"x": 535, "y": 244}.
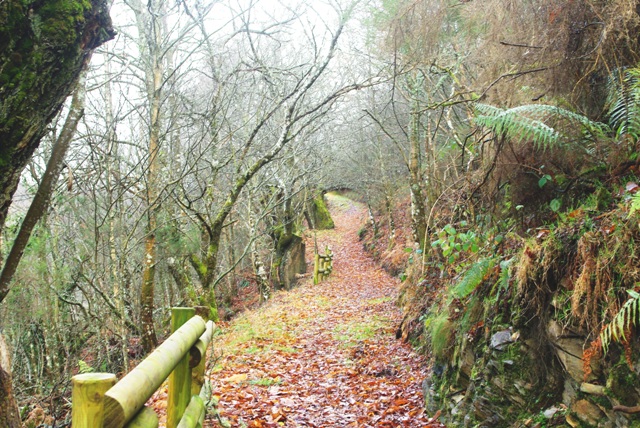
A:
{"x": 286, "y": 99}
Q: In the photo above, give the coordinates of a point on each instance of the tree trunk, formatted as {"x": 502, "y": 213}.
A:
{"x": 39, "y": 67}
{"x": 418, "y": 219}
{"x": 149, "y": 20}
{"x": 282, "y": 234}
{"x": 149, "y": 339}
{"x": 41, "y": 200}
{"x": 9, "y": 414}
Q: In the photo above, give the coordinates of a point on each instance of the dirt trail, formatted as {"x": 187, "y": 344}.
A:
{"x": 324, "y": 355}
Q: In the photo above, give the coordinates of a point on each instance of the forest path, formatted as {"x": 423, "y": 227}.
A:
{"x": 323, "y": 355}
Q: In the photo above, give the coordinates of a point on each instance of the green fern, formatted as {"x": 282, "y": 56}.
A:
{"x": 635, "y": 203}
{"x": 473, "y": 277}
{"x": 623, "y": 103}
{"x": 505, "y": 274}
{"x": 622, "y": 322}
{"x": 545, "y": 125}
{"x": 84, "y": 367}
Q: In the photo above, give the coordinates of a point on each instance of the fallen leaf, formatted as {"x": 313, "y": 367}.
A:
{"x": 241, "y": 377}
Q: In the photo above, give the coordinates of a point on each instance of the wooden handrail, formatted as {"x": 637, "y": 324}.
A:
{"x": 193, "y": 413}
{"x": 199, "y": 350}
{"x": 123, "y": 403}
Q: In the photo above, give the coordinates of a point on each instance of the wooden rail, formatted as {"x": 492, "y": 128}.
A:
{"x": 99, "y": 402}
{"x": 323, "y": 265}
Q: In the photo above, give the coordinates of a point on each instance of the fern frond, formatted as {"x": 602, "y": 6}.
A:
{"x": 505, "y": 273}
{"x": 83, "y": 367}
{"x": 623, "y": 102}
{"x": 545, "y": 125}
{"x": 473, "y": 277}
{"x": 635, "y": 203}
{"x": 622, "y": 322}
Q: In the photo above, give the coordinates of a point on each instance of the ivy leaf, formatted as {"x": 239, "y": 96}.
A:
{"x": 543, "y": 180}
{"x": 555, "y": 205}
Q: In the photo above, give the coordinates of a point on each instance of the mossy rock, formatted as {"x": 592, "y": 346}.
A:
{"x": 320, "y": 214}
{"x": 622, "y": 384}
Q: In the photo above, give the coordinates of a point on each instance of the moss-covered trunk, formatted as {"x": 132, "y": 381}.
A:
{"x": 205, "y": 268}
{"x": 43, "y": 47}
{"x": 288, "y": 260}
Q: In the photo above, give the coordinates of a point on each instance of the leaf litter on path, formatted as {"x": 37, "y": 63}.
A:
{"x": 323, "y": 355}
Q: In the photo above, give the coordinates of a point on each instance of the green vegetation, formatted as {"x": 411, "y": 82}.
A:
{"x": 472, "y": 278}
{"x": 441, "y": 330}
{"x": 353, "y": 332}
{"x": 266, "y": 381}
{"x": 320, "y": 213}
{"x": 379, "y": 300}
{"x": 622, "y": 323}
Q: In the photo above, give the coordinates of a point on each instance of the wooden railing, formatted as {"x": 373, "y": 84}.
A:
{"x": 98, "y": 401}
{"x": 323, "y": 265}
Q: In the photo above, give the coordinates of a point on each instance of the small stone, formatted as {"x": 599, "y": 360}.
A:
{"x": 569, "y": 352}
{"x": 550, "y": 412}
{"x": 457, "y": 398}
{"x": 572, "y": 421}
{"x": 522, "y": 387}
{"x": 587, "y": 412}
{"x": 497, "y": 381}
{"x": 517, "y": 399}
{"x": 569, "y": 393}
{"x": 589, "y": 388}
{"x": 501, "y": 339}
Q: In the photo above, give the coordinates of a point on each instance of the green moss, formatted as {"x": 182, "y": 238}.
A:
{"x": 321, "y": 213}
{"x": 213, "y": 313}
{"x": 5, "y": 156}
{"x": 58, "y": 20}
{"x": 622, "y": 383}
{"x": 198, "y": 265}
{"x": 45, "y": 44}
{"x": 355, "y": 332}
{"x": 440, "y": 329}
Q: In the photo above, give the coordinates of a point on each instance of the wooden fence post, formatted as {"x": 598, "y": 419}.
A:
{"x": 316, "y": 268}
{"x": 87, "y": 398}
{"x": 180, "y": 378}
{"x": 197, "y": 372}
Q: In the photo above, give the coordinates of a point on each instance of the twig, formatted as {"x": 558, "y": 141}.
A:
{"x": 513, "y": 76}
{"x": 519, "y": 45}
{"x": 625, "y": 409}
